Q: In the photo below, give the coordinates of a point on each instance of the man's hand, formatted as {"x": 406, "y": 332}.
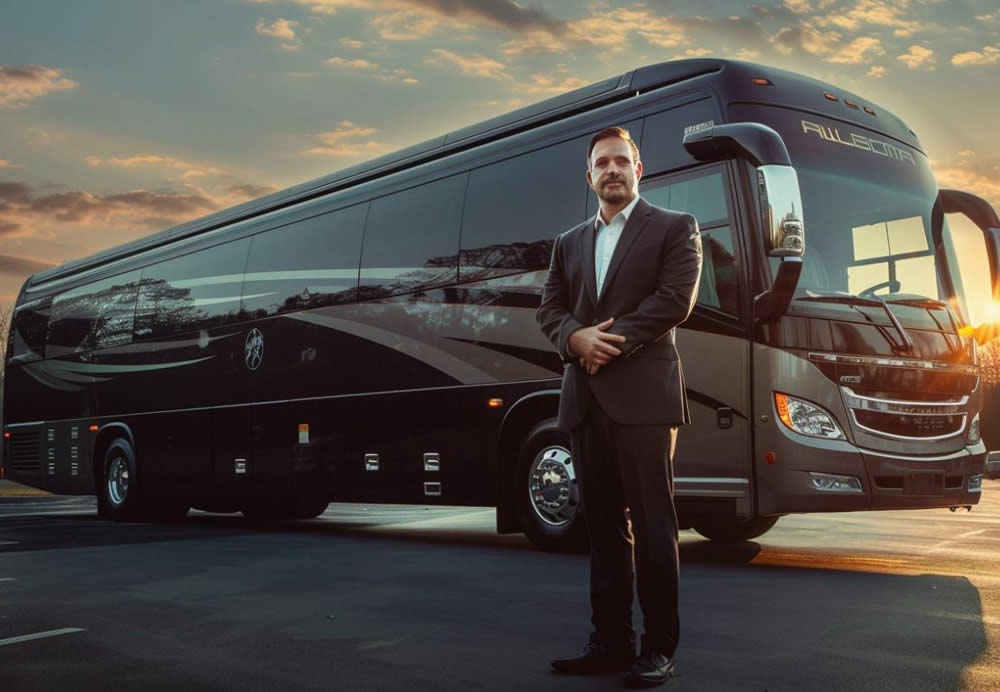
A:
{"x": 594, "y": 346}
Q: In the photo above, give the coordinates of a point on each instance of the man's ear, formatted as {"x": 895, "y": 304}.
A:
{"x": 590, "y": 181}
{"x": 638, "y": 171}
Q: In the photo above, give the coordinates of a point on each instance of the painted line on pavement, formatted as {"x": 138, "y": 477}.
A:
{"x": 40, "y": 635}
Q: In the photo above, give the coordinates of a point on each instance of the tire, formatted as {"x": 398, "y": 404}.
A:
{"x": 118, "y": 496}
{"x": 734, "y": 529}
{"x": 547, "y": 497}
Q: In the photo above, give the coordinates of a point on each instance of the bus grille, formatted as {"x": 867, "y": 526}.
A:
{"x": 25, "y": 451}
{"x": 924, "y": 419}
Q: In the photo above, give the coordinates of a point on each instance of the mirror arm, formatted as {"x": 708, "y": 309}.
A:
{"x": 993, "y": 252}
{"x": 771, "y": 305}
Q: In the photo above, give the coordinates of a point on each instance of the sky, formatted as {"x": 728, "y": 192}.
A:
{"x": 121, "y": 118}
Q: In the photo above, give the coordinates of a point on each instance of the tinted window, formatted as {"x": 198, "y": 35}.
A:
{"x": 411, "y": 239}
{"x": 663, "y": 135}
{"x": 704, "y": 196}
{"x": 98, "y": 315}
{"x": 307, "y": 264}
{"x": 196, "y": 291}
{"x": 27, "y": 338}
{"x": 515, "y": 208}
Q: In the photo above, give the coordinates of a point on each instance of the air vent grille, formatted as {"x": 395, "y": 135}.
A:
{"x": 25, "y": 448}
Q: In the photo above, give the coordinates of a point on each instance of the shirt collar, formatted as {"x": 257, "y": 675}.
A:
{"x": 626, "y": 212}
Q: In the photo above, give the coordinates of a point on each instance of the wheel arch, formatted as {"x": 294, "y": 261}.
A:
{"x": 526, "y": 413}
{"x": 105, "y": 434}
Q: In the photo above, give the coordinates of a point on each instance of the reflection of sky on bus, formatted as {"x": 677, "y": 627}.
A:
{"x": 124, "y": 118}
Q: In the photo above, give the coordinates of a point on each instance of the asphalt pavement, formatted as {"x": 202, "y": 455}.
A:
{"x": 430, "y": 598}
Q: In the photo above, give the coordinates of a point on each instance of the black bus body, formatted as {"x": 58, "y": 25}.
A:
{"x": 370, "y": 336}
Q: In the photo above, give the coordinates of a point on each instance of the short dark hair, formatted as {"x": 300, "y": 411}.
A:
{"x": 609, "y": 132}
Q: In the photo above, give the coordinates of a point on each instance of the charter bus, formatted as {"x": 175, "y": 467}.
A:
{"x": 370, "y": 336}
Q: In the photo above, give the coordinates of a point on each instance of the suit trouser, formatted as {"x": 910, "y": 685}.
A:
{"x": 621, "y": 466}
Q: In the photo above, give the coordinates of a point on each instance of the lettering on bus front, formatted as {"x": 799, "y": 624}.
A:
{"x": 875, "y": 146}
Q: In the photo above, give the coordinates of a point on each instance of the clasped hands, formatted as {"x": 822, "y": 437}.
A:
{"x": 594, "y": 346}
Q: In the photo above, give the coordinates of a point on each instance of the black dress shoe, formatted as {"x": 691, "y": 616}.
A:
{"x": 596, "y": 658}
{"x": 650, "y": 670}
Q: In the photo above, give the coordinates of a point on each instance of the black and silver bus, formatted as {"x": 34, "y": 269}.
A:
{"x": 369, "y": 336}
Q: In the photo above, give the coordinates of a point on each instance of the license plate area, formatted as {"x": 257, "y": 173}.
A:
{"x": 924, "y": 483}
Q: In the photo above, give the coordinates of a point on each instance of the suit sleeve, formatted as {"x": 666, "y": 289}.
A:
{"x": 676, "y": 292}
{"x": 553, "y": 314}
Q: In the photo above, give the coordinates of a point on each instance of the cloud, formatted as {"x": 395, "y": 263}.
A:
{"x": 990, "y": 55}
{"x": 407, "y": 25}
{"x": 477, "y": 65}
{"x": 917, "y": 58}
{"x": 348, "y": 141}
{"x": 546, "y": 84}
{"x": 861, "y": 50}
{"x": 745, "y": 54}
{"x": 980, "y": 176}
{"x": 358, "y": 63}
{"x": 887, "y": 13}
{"x": 991, "y": 17}
{"x": 20, "y": 266}
{"x": 798, "y": 6}
{"x": 351, "y": 43}
{"x": 877, "y": 72}
{"x": 607, "y": 30}
{"x": 282, "y": 29}
{"x": 807, "y": 39}
{"x": 251, "y": 191}
{"x": 21, "y": 84}
{"x": 190, "y": 170}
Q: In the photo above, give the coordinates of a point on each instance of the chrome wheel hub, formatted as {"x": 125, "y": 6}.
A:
{"x": 552, "y": 486}
{"x": 118, "y": 480}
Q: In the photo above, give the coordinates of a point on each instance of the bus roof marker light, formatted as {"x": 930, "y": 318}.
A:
{"x": 760, "y": 81}
{"x": 850, "y": 104}
{"x": 869, "y": 111}
{"x": 830, "y": 97}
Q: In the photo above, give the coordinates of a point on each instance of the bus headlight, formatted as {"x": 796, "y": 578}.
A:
{"x": 806, "y": 419}
{"x": 975, "y": 434}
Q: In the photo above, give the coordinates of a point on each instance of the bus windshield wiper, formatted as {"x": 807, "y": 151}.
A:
{"x": 876, "y": 302}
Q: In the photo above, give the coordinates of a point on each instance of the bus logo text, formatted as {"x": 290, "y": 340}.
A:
{"x": 832, "y": 134}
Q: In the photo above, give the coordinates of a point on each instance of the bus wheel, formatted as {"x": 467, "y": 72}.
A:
{"x": 118, "y": 496}
{"x": 548, "y": 500}
{"x": 733, "y": 529}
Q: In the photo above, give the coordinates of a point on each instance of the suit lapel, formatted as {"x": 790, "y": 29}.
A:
{"x": 633, "y": 227}
{"x": 589, "y": 270}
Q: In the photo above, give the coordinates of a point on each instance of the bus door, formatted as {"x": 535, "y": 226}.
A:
{"x": 712, "y": 463}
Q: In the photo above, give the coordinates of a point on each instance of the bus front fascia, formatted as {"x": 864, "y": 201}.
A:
{"x": 779, "y": 196}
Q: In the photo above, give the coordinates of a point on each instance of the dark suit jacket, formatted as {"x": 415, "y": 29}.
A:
{"x": 650, "y": 287}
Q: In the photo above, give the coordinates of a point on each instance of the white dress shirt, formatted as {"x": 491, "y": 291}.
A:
{"x": 607, "y": 240}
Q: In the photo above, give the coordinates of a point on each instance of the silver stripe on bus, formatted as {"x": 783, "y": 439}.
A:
{"x": 902, "y": 403}
{"x": 902, "y": 457}
{"x": 935, "y": 365}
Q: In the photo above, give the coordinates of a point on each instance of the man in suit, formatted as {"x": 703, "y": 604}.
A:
{"x": 618, "y": 286}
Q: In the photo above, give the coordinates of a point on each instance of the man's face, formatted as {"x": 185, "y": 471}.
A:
{"x": 614, "y": 173}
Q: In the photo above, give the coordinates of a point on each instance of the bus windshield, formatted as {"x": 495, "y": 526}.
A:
{"x": 868, "y": 206}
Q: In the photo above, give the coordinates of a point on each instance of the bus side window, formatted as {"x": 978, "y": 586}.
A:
{"x": 515, "y": 208}
{"x": 97, "y": 315}
{"x": 307, "y": 264}
{"x": 196, "y": 291}
{"x": 703, "y": 195}
{"x": 411, "y": 239}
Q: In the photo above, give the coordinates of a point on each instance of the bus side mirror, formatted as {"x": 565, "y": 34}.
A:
{"x": 780, "y": 199}
{"x": 983, "y": 215}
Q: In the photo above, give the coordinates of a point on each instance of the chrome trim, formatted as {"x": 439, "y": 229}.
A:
{"x": 707, "y": 479}
{"x": 911, "y": 438}
{"x": 903, "y": 457}
{"x": 371, "y": 462}
{"x": 432, "y": 461}
{"x": 23, "y": 425}
{"x": 432, "y": 489}
{"x": 553, "y": 489}
{"x": 239, "y": 466}
{"x": 898, "y": 402}
{"x": 887, "y": 362}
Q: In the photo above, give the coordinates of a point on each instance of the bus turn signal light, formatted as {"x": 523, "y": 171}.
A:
{"x": 93, "y": 428}
{"x": 495, "y": 403}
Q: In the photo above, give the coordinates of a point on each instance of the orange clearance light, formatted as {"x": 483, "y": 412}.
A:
{"x": 829, "y": 97}
{"x": 781, "y": 401}
{"x": 869, "y": 111}
{"x": 495, "y": 403}
{"x": 93, "y": 428}
{"x": 851, "y": 104}
{"x": 760, "y": 81}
